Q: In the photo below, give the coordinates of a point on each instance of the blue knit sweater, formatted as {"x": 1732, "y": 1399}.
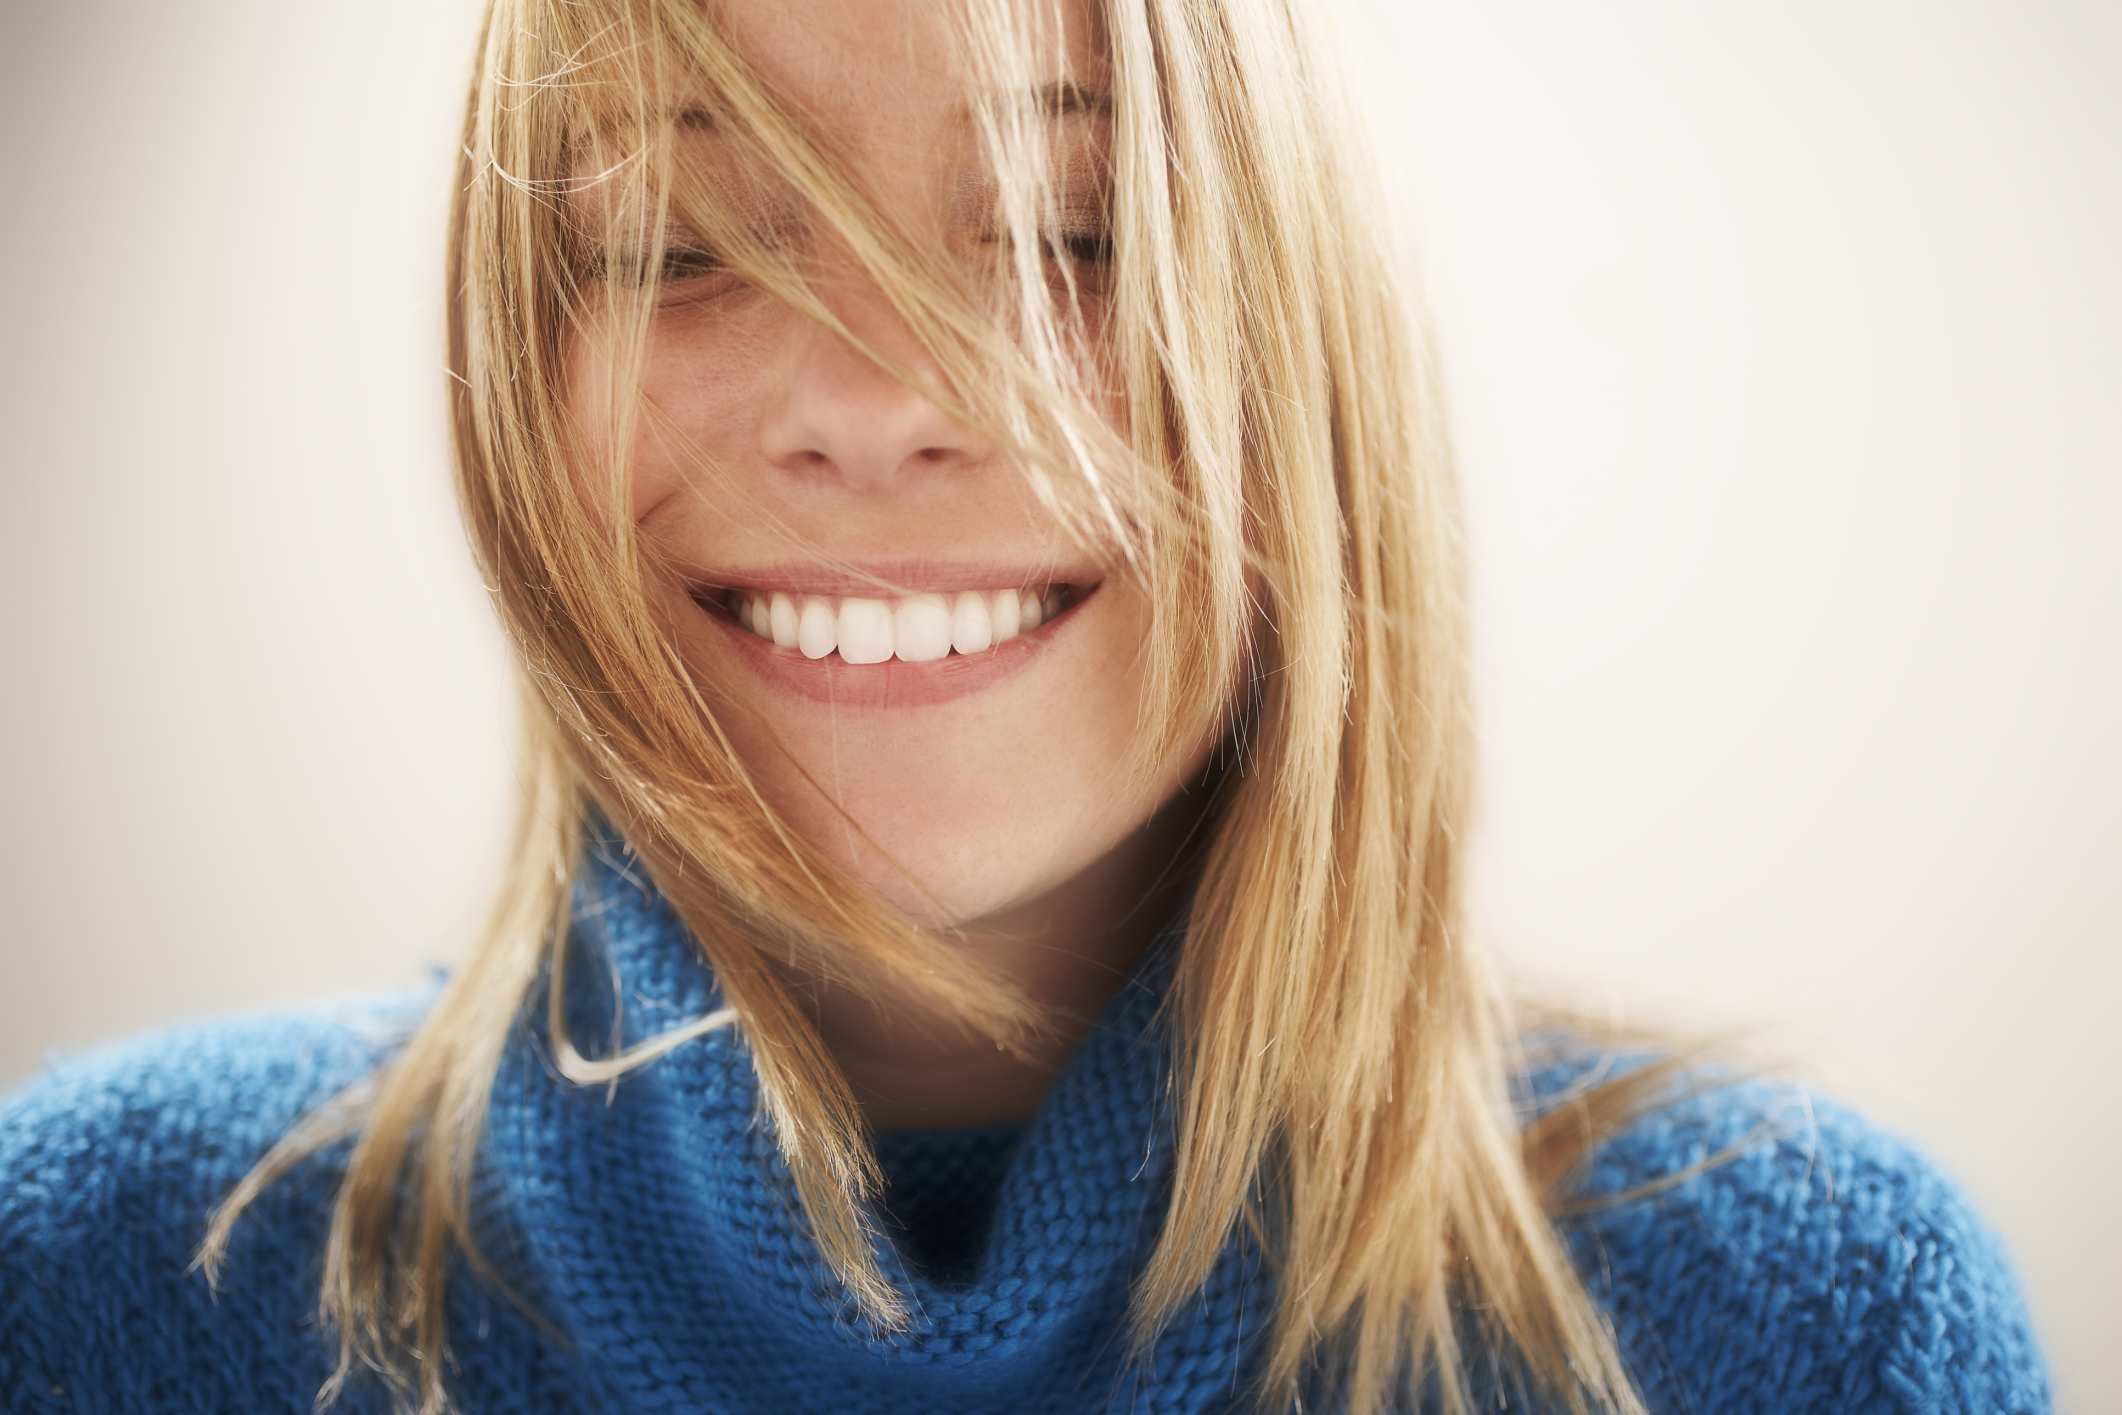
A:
{"x": 1827, "y": 1268}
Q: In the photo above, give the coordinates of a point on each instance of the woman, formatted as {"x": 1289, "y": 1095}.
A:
{"x": 984, "y": 929}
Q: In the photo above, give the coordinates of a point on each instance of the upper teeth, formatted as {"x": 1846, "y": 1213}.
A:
{"x": 916, "y": 628}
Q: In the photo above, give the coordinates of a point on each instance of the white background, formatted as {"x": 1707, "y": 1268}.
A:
{"x": 1785, "y": 349}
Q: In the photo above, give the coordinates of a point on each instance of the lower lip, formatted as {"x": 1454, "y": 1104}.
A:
{"x": 894, "y": 683}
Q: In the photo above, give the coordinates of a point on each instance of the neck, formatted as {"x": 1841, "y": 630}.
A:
{"x": 913, "y": 1068}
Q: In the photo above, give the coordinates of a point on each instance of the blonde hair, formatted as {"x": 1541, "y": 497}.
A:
{"x": 1283, "y": 486}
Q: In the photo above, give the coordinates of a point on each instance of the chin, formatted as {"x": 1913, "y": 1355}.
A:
{"x": 950, "y": 891}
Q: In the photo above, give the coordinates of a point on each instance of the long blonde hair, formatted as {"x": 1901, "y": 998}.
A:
{"x": 1283, "y": 486}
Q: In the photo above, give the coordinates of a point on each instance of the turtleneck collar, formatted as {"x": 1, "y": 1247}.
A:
{"x": 659, "y": 1230}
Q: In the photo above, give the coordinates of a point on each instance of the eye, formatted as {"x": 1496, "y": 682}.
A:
{"x": 1086, "y": 247}
{"x": 1079, "y": 261}
{"x": 686, "y": 262}
{"x": 630, "y": 269}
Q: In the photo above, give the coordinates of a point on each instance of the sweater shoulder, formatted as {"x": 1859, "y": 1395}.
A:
{"x": 1761, "y": 1248}
{"x": 181, "y": 1113}
{"x": 111, "y": 1165}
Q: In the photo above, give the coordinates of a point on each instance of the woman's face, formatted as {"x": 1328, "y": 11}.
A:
{"x": 991, "y": 767}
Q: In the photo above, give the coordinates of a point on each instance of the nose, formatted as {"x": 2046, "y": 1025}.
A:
{"x": 838, "y": 414}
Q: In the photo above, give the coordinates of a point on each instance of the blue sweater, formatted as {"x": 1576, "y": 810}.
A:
{"x": 1826, "y": 1268}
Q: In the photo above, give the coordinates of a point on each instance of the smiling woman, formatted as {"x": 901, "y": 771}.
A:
{"x": 925, "y": 673}
{"x": 968, "y": 498}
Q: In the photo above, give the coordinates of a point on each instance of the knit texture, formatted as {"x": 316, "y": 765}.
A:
{"x": 653, "y": 1226}
{"x": 940, "y": 1192}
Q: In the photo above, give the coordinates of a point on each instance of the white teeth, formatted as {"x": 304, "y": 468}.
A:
{"x": 865, "y": 630}
{"x": 782, "y": 618}
{"x": 815, "y": 628}
{"x": 1005, "y": 615}
{"x": 921, "y": 628}
{"x": 972, "y": 628}
{"x": 917, "y": 629}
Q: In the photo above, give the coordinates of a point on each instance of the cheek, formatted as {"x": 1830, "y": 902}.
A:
{"x": 690, "y": 403}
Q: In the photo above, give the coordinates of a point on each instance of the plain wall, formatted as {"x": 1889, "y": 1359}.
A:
{"x": 1785, "y": 350}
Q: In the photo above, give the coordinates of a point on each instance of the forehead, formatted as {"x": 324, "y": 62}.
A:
{"x": 883, "y": 71}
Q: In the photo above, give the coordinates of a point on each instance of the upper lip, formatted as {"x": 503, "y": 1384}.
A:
{"x": 880, "y": 579}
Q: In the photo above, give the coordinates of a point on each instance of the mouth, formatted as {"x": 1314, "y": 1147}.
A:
{"x": 853, "y": 644}
{"x": 913, "y": 628}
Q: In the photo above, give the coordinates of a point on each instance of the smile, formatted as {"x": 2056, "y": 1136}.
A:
{"x": 915, "y": 628}
{"x": 833, "y": 638}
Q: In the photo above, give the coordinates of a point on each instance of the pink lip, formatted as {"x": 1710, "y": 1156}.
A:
{"x": 894, "y": 683}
